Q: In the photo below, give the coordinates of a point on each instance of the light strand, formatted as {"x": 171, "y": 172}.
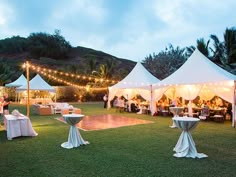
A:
{"x": 84, "y": 77}
{"x": 67, "y": 82}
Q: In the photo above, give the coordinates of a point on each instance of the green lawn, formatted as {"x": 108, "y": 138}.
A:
{"x": 140, "y": 150}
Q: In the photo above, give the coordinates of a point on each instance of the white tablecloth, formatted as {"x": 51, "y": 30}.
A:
{"x": 176, "y": 111}
{"x": 185, "y": 146}
{"x": 18, "y": 126}
{"x": 74, "y": 138}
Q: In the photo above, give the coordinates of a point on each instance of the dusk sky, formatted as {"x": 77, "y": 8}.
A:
{"x": 130, "y": 29}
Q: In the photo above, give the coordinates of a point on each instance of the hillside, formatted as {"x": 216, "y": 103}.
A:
{"x": 77, "y": 62}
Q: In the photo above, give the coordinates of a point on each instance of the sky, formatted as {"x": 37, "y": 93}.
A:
{"x": 130, "y": 29}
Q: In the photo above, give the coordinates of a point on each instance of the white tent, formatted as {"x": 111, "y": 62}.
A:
{"x": 138, "y": 81}
{"x": 37, "y": 83}
{"x": 18, "y": 82}
{"x": 198, "y": 76}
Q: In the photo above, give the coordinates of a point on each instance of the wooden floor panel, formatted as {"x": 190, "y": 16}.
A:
{"x": 106, "y": 121}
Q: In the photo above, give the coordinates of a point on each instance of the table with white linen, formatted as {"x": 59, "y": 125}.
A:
{"x": 18, "y": 126}
{"x": 185, "y": 146}
{"x": 176, "y": 111}
{"x": 74, "y": 138}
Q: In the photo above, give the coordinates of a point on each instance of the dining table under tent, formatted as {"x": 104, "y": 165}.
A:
{"x": 198, "y": 76}
{"x": 37, "y": 84}
{"x": 17, "y": 83}
{"x": 138, "y": 81}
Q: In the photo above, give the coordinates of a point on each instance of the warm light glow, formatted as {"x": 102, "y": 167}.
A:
{"x": 46, "y": 72}
{"x": 24, "y": 65}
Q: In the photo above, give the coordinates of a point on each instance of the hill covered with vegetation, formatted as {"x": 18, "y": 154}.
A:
{"x": 55, "y": 53}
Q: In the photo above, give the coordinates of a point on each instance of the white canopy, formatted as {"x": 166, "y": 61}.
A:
{"x": 138, "y": 81}
{"x": 18, "y": 82}
{"x": 138, "y": 77}
{"x": 198, "y": 76}
{"x": 37, "y": 83}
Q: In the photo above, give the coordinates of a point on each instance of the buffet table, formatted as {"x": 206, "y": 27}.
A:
{"x": 185, "y": 146}
{"x": 74, "y": 138}
{"x": 18, "y": 126}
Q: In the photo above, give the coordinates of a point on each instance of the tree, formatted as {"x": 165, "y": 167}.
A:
{"x": 46, "y": 45}
{"x": 165, "y": 62}
{"x": 230, "y": 45}
{"x": 13, "y": 45}
{"x": 217, "y": 50}
{"x": 224, "y": 52}
{"x": 203, "y": 47}
{"x": 5, "y": 73}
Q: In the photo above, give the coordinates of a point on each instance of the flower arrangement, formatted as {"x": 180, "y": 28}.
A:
{"x": 15, "y": 112}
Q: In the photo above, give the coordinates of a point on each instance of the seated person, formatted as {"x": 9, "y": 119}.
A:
{"x": 121, "y": 103}
{"x": 229, "y": 109}
{"x": 205, "y": 113}
{"x": 134, "y": 108}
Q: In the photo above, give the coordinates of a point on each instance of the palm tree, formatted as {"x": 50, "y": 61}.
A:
{"x": 225, "y": 52}
{"x": 189, "y": 51}
{"x": 218, "y": 50}
{"x": 230, "y": 44}
{"x": 203, "y": 47}
{"x": 92, "y": 64}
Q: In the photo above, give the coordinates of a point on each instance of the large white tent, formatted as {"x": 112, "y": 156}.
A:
{"x": 18, "y": 82}
{"x": 198, "y": 76}
{"x": 37, "y": 83}
{"x": 138, "y": 81}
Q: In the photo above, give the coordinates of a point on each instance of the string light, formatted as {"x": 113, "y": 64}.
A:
{"x": 66, "y": 82}
{"x": 39, "y": 69}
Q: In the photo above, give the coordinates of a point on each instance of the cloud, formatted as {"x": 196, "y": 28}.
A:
{"x": 128, "y": 29}
{"x": 6, "y": 14}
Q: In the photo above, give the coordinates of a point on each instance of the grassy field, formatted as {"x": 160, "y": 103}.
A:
{"x": 133, "y": 151}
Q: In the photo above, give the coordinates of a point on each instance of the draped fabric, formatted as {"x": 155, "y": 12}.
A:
{"x": 188, "y": 92}
{"x": 225, "y": 91}
{"x": 185, "y": 146}
{"x": 74, "y": 137}
{"x": 156, "y": 95}
{"x": 206, "y": 93}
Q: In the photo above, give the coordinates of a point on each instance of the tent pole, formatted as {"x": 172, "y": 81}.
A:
{"x": 28, "y": 88}
{"x": 233, "y": 108}
{"x": 151, "y": 102}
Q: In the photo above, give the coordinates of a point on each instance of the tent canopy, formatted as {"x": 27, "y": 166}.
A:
{"x": 37, "y": 83}
{"x": 198, "y": 69}
{"x": 18, "y": 82}
{"x": 198, "y": 76}
{"x": 137, "y": 78}
{"x": 138, "y": 81}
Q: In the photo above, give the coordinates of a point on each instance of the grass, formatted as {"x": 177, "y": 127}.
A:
{"x": 133, "y": 151}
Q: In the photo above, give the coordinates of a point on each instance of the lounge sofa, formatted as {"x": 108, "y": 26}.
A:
{"x": 58, "y": 107}
{"x": 42, "y": 109}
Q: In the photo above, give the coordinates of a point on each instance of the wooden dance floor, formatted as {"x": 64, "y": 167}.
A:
{"x": 106, "y": 121}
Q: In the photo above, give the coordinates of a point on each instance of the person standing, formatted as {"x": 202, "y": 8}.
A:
{"x": 6, "y": 102}
{"x": 1, "y": 111}
{"x": 1, "y": 105}
{"x": 105, "y": 100}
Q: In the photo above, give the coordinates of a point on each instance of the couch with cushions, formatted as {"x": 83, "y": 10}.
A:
{"x": 42, "y": 109}
{"x": 58, "y": 107}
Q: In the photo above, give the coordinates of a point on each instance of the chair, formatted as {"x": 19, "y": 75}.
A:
{"x": 205, "y": 114}
{"x": 77, "y": 111}
{"x": 64, "y": 111}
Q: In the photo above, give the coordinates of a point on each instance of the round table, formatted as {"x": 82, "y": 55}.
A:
{"x": 74, "y": 138}
{"x": 185, "y": 146}
{"x": 176, "y": 111}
